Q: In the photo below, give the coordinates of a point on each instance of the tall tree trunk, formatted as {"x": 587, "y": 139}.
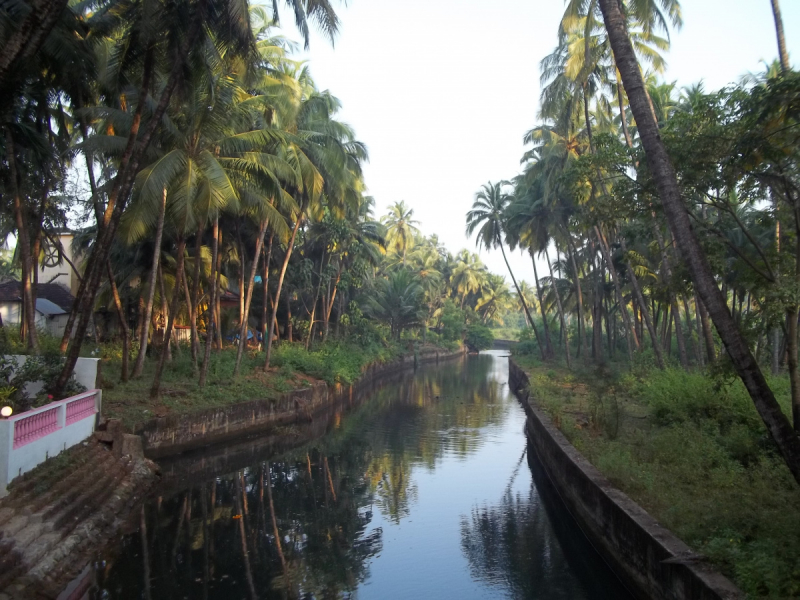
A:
{"x": 83, "y": 306}
{"x": 645, "y": 312}
{"x": 262, "y": 231}
{"x": 211, "y": 322}
{"x": 26, "y": 39}
{"x": 332, "y": 299}
{"x": 165, "y": 341}
{"x": 123, "y": 322}
{"x": 195, "y": 295}
{"x": 265, "y": 284}
{"x": 312, "y": 321}
{"x": 155, "y": 389}
{"x": 240, "y": 275}
{"x": 630, "y": 337}
{"x": 132, "y": 155}
{"x": 676, "y": 315}
{"x": 782, "y": 53}
{"x": 579, "y": 295}
{"x": 217, "y": 300}
{"x": 560, "y": 310}
{"x": 151, "y": 288}
{"x": 708, "y": 336}
{"x": 300, "y": 216}
{"x": 289, "y": 332}
{"x": 678, "y": 218}
{"x": 698, "y": 353}
{"x": 28, "y": 319}
{"x": 547, "y": 343}
{"x": 623, "y": 117}
{"x": 525, "y": 306}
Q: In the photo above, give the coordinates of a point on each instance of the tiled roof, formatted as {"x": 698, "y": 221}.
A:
{"x": 11, "y": 291}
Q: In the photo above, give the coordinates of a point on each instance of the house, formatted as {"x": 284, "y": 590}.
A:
{"x": 53, "y": 305}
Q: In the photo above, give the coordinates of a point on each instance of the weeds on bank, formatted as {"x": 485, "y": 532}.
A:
{"x": 692, "y": 450}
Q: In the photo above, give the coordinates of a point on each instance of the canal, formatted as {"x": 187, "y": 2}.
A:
{"x": 424, "y": 489}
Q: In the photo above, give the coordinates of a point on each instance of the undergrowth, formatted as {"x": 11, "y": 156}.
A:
{"x": 692, "y": 450}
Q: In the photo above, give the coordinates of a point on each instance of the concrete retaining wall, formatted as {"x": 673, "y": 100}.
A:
{"x": 648, "y": 558}
{"x": 19, "y": 458}
{"x": 173, "y": 434}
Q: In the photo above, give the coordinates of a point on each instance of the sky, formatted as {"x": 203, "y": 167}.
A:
{"x": 442, "y": 92}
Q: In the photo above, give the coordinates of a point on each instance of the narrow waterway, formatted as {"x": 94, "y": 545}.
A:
{"x": 423, "y": 490}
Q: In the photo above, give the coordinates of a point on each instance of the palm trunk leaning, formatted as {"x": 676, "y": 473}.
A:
{"x": 782, "y": 53}
{"x": 155, "y": 389}
{"x": 547, "y": 341}
{"x": 663, "y": 172}
{"x": 151, "y": 289}
{"x": 123, "y": 321}
{"x": 273, "y": 320}
{"x": 28, "y": 302}
{"x": 262, "y": 231}
{"x": 561, "y": 314}
{"x": 211, "y": 323}
{"x": 631, "y": 339}
{"x": 524, "y": 305}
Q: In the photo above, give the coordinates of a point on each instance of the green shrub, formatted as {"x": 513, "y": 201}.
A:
{"x": 479, "y": 337}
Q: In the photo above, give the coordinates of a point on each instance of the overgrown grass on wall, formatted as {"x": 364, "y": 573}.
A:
{"x": 692, "y": 450}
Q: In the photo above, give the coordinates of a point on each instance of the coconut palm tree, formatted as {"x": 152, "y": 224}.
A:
{"x": 487, "y": 217}
{"x": 782, "y": 53}
{"x": 400, "y": 228}
{"x": 692, "y": 253}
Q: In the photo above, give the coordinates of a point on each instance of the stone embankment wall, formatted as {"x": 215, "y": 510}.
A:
{"x": 172, "y": 434}
{"x": 58, "y": 515}
{"x": 649, "y": 559}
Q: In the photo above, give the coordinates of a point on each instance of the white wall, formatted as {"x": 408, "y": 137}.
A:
{"x": 17, "y": 461}
{"x": 10, "y": 312}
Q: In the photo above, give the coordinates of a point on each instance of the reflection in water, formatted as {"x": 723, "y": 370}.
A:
{"x": 420, "y": 491}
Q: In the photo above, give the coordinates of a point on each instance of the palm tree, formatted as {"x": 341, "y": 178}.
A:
{"x": 782, "y": 53}
{"x": 400, "y": 228}
{"x": 495, "y": 298}
{"x": 467, "y": 275}
{"x": 486, "y": 216}
{"x": 692, "y": 253}
{"x": 397, "y": 300}
{"x": 328, "y": 159}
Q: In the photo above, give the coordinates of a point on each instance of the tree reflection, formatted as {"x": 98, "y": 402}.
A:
{"x": 529, "y": 545}
{"x": 298, "y": 526}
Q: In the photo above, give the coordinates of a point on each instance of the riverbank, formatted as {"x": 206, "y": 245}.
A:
{"x": 73, "y": 504}
{"x": 693, "y": 453}
{"x": 293, "y": 368}
{"x": 57, "y": 515}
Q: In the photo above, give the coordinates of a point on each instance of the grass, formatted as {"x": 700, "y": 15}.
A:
{"x": 292, "y": 367}
{"x": 694, "y": 453}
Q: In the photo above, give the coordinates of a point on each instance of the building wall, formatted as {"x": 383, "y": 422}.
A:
{"x": 62, "y": 273}
{"x": 11, "y": 313}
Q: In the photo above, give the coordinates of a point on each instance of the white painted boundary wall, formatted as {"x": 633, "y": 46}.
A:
{"x": 29, "y": 438}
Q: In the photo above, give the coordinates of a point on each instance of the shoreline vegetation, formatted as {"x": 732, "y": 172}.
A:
{"x": 294, "y": 367}
{"x": 690, "y": 449}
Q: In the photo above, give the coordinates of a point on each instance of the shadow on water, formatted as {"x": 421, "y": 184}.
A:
{"x": 529, "y": 544}
{"x": 333, "y": 511}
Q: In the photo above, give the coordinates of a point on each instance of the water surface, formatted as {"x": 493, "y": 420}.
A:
{"x": 424, "y": 489}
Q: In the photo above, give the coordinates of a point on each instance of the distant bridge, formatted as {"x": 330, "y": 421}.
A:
{"x": 503, "y": 344}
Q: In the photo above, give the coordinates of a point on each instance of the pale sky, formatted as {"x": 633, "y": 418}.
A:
{"x": 442, "y": 91}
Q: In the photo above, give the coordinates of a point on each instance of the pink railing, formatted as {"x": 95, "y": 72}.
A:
{"x": 36, "y": 426}
{"x": 78, "y": 410}
{"x": 49, "y": 418}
